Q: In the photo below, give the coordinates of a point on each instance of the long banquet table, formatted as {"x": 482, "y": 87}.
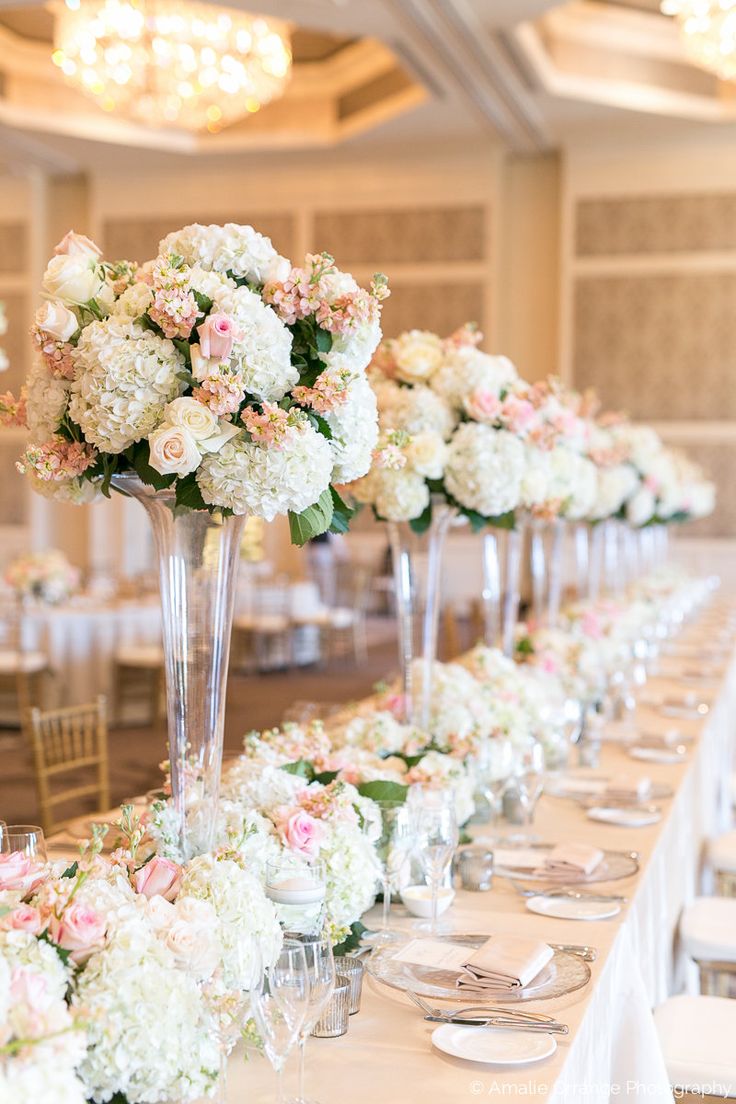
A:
{"x": 611, "y": 1051}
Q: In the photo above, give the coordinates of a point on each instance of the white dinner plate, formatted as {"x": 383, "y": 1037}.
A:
{"x": 492, "y": 1045}
{"x": 572, "y": 908}
{"x": 657, "y": 754}
{"x": 623, "y": 817}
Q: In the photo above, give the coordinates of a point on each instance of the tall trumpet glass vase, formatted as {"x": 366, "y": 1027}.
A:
{"x": 547, "y": 545}
{"x": 197, "y": 560}
{"x": 502, "y": 555}
{"x": 417, "y": 564}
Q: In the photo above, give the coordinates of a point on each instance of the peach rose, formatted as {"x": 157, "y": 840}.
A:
{"x": 73, "y": 244}
{"x": 301, "y": 832}
{"x": 159, "y": 877}
{"x": 80, "y": 929}
{"x": 18, "y": 872}
{"x": 23, "y": 918}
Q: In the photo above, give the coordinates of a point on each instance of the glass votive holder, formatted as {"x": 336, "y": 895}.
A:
{"x": 334, "y": 1020}
{"x": 475, "y": 867}
{"x": 352, "y": 970}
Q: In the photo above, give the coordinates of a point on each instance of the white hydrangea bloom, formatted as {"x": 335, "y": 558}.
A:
{"x": 426, "y": 454}
{"x": 125, "y": 377}
{"x": 615, "y": 485}
{"x": 135, "y": 300}
{"x": 354, "y": 425}
{"x": 397, "y": 495}
{"x": 229, "y": 248}
{"x": 535, "y": 482}
{"x": 641, "y": 507}
{"x": 263, "y": 349}
{"x": 415, "y": 410}
{"x": 484, "y": 469}
{"x": 574, "y": 480}
{"x": 76, "y": 491}
{"x": 253, "y": 479}
{"x": 46, "y": 402}
{"x": 468, "y": 369}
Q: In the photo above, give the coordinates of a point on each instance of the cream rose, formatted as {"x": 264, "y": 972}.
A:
{"x": 173, "y": 451}
{"x": 56, "y": 320}
{"x": 73, "y": 279}
{"x": 193, "y": 416}
{"x": 418, "y": 354}
{"x": 426, "y": 454}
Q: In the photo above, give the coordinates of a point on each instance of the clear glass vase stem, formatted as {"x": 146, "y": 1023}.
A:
{"x": 539, "y": 571}
{"x": 512, "y": 597}
{"x": 491, "y": 595}
{"x": 556, "y": 572}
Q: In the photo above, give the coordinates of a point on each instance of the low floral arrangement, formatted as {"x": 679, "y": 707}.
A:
{"x": 273, "y": 804}
{"x": 218, "y": 369}
{"x": 45, "y": 576}
{"x": 115, "y": 972}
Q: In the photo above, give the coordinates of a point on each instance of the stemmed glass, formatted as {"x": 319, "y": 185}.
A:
{"x": 229, "y": 1003}
{"x": 394, "y": 850}
{"x": 493, "y": 763}
{"x": 26, "y": 838}
{"x": 279, "y": 1002}
{"x": 529, "y": 778}
{"x": 437, "y": 839}
{"x": 321, "y": 976}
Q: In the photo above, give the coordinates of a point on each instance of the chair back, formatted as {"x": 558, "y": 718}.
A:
{"x": 67, "y": 742}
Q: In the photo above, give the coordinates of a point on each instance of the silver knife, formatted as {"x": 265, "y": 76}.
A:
{"x": 553, "y": 1028}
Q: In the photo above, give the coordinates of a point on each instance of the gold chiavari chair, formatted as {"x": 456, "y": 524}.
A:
{"x": 67, "y": 743}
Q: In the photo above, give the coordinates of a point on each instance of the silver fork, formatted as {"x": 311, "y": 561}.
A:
{"x": 574, "y": 894}
{"x": 489, "y": 1009}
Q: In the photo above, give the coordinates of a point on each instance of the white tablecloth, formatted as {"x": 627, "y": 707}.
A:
{"x": 80, "y": 641}
{"x": 611, "y": 1052}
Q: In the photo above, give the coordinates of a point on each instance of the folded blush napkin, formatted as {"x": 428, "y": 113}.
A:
{"x": 504, "y": 962}
{"x": 573, "y": 858}
{"x": 628, "y": 789}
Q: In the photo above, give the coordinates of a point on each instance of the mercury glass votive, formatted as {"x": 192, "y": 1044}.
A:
{"x": 352, "y": 970}
{"x": 475, "y": 867}
{"x": 334, "y": 1020}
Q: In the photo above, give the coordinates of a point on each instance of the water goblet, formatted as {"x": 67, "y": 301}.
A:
{"x": 279, "y": 1002}
{"x": 321, "y": 976}
{"x": 26, "y": 838}
{"x": 437, "y": 839}
{"x": 394, "y": 850}
{"x": 529, "y": 778}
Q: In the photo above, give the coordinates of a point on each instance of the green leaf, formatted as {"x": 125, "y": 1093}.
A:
{"x": 203, "y": 301}
{"x": 320, "y": 424}
{"x": 324, "y": 340}
{"x": 463, "y": 837}
{"x": 422, "y": 523}
{"x": 71, "y": 871}
{"x": 188, "y": 493}
{"x": 325, "y": 777}
{"x": 477, "y": 521}
{"x": 352, "y": 941}
{"x": 184, "y": 348}
{"x": 410, "y": 760}
{"x": 504, "y": 521}
{"x": 342, "y": 514}
{"x": 381, "y": 790}
{"x": 311, "y": 522}
{"x": 525, "y": 646}
{"x": 141, "y": 462}
{"x": 302, "y": 768}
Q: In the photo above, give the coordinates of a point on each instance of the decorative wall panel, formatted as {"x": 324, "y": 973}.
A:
{"x": 16, "y": 342}
{"x": 414, "y": 236}
{"x": 655, "y": 224}
{"x": 13, "y": 488}
{"x": 441, "y": 307}
{"x": 658, "y": 346}
{"x": 137, "y": 239}
{"x": 13, "y": 248}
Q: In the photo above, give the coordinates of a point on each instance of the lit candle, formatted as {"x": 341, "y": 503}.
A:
{"x": 299, "y": 890}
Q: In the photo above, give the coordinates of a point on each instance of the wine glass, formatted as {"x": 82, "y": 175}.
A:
{"x": 26, "y": 838}
{"x": 437, "y": 839}
{"x": 321, "y": 975}
{"x": 394, "y": 849}
{"x": 279, "y": 1002}
{"x": 493, "y": 764}
{"x": 529, "y": 778}
{"x": 228, "y": 1003}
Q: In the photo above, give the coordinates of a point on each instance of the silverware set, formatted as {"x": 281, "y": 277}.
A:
{"x": 569, "y": 893}
{"x": 486, "y": 1015}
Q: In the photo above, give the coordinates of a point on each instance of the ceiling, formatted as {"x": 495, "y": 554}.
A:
{"x": 525, "y": 74}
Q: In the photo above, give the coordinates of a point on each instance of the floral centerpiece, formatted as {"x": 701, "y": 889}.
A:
{"x": 115, "y": 973}
{"x": 215, "y": 381}
{"x": 45, "y": 576}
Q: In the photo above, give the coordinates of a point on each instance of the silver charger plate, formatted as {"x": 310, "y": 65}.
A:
{"x": 613, "y": 866}
{"x": 555, "y": 787}
{"x": 564, "y": 973}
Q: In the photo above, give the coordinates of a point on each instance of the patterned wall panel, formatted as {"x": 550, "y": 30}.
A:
{"x": 655, "y": 224}
{"x": 137, "y": 239}
{"x": 718, "y": 458}
{"x": 16, "y": 342}
{"x": 13, "y": 489}
{"x": 13, "y": 248}
{"x": 441, "y": 307}
{"x": 658, "y": 346}
{"x": 426, "y": 235}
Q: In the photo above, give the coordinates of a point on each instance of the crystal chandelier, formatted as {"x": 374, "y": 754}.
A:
{"x": 171, "y": 62}
{"x": 708, "y": 33}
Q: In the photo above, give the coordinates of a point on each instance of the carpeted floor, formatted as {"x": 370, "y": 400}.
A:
{"x": 252, "y": 702}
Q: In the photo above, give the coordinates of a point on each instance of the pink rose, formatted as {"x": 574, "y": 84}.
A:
{"x": 80, "y": 929}
{"x": 29, "y": 988}
{"x": 301, "y": 832}
{"x": 216, "y": 336}
{"x": 23, "y": 918}
{"x": 159, "y": 877}
{"x": 18, "y": 872}
{"x": 518, "y": 412}
{"x": 482, "y": 405}
{"x": 79, "y": 245}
